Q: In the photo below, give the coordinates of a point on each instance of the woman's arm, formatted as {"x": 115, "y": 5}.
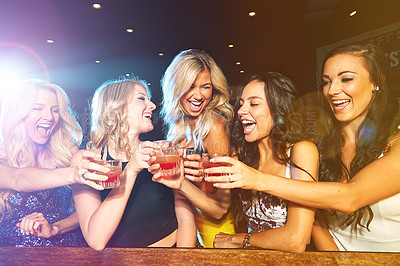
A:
{"x": 322, "y": 238}
{"x": 187, "y": 231}
{"x": 33, "y": 179}
{"x": 213, "y": 204}
{"x": 378, "y": 180}
{"x": 99, "y": 220}
{"x": 36, "y": 224}
{"x": 296, "y": 233}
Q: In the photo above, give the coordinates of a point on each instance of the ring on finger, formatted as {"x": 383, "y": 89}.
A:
{"x": 83, "y": 175}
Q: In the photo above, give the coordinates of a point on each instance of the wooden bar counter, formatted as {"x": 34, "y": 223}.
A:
{"x": 179, "y": 256}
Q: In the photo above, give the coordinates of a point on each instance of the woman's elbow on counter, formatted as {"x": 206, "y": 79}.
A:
{"x": 97, "y": 246}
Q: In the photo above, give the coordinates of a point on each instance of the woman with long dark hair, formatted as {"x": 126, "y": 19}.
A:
{"x": 261, "y": 140}
{"x": 359, "y": 157}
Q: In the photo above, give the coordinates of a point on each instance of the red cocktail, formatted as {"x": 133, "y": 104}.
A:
{"x": 167, "y": 157}
{"x": 169, "y": 165}
{"x": 114, "y": 175}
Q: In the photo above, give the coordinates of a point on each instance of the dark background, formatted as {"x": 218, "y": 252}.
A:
{"x": 283, "y": 36}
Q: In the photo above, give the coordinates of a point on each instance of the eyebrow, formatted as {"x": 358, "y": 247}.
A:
{"x": 341, "y": 73}
{"x": 141, "y": 93}
{"x": 251, "y": 98}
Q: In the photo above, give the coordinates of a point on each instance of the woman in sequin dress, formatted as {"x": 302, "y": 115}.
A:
{"x": 38, "y": 131}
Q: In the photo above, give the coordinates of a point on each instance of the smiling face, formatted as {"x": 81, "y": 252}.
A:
{"x": 139, "y": 111}
{"x": 254, "y": 112}
{"x": 347, "y": 87}
{"x": 43, "y": 118}
{"x": 199, "y": 95}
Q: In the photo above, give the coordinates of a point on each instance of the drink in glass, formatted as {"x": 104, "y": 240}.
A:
{"x": 114, "y": 175}
{"x": 206, "y": 157}
{"x": 167, "y": 157}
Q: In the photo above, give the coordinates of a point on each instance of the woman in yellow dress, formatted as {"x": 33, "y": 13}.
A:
{"x": 197, "y": 112}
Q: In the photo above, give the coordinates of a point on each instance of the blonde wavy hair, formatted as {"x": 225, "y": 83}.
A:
{"x": 18, "y": 150}
{"x": 177, "y": 80}
{"x": 109, "y": 124}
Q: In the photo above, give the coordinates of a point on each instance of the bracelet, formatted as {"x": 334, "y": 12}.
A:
{"x": 246, "y": 240}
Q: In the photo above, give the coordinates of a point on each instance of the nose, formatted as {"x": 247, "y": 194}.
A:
{"x": 48, "y": 114}
{"x": 151, "y": 105}
{"x": 197, "y": 93}
{"x": 334, "y": 88}
{"x": 242, "y": 110}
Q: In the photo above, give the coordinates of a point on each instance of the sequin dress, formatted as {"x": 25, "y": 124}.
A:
{"x": 266, "y": 211}
{"x": 55, "y": 204}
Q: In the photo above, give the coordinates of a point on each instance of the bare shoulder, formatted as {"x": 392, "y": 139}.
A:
{"x": 304, "y": 148}
{"x": 219, "y": 123}
{"x": 217, "y": 139}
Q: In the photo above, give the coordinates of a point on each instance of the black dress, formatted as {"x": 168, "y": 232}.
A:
{"x": 149, "y": 215}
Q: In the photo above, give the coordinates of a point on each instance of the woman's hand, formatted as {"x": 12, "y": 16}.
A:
{"x": 36, "y": 224}
{"x": 140, "y": 158}
{"x": 174, "y": 183}
{"x": 87, "y": 171}
{"x": 193, "y": 168}
{"x": 237, "y": 175}
{"x": 223, "y": 240}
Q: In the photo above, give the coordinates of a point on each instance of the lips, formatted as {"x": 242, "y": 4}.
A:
{"x": 147, "y": 115}
{"x": 248, "y": 126}
{"x": 44, "y": 130}
{"x": 339, "y": 105}
{"x": 195, "y": 106}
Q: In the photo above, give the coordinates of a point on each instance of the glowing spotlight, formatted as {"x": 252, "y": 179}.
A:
{"x": 230, "y": 45}
{"x": 127, "y": 74}
{"x": 96, "y": 6}
{"x": 160, "y": 54}
{"x": 353, "y": 13}
{"x": 237, "y": 63}
{"x": 50, "y": 41}
{"x": 252, "y": 14}
{"x": 97, "y": 61}
{"x": 242, "y": 71}
{"x": 8, "y": 80}
{"x": 129, "y": 30}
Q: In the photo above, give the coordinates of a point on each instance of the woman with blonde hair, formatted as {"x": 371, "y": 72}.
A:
{"x": 197, "y": 112}
{"x": 39, "y": 136}
{"x": 140, "y": 212}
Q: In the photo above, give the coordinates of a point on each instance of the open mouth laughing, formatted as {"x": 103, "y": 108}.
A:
{"x": 339, "y": 105}
{"x": 248, "y": 126}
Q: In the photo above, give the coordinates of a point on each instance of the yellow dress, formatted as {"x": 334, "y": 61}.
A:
{"x": 208, "y": 227}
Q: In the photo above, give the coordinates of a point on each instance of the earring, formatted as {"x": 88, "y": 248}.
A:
{"x": 376, "y": 88}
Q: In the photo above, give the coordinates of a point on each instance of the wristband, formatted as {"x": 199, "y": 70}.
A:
{"x": 246, "y": 240}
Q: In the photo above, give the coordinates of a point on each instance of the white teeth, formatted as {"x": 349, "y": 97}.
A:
{"x": 196, "y": 103}
{"x": 44, "y": 125}
{"x": 246, "y": 122}
{"x": 340, "y": 101}
{"x": 147, "y": 115}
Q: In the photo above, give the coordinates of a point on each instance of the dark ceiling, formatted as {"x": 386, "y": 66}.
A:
{"x": 282, "y": 37}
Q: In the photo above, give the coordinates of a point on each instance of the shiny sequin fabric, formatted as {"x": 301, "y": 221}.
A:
{"x": 55, "y": 204}
{"x": 266, "y": 212}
